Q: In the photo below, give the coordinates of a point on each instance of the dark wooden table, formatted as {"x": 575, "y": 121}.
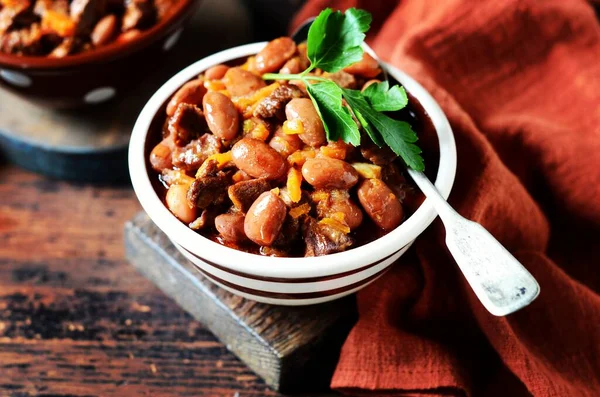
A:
{"x": 77, "y": 320}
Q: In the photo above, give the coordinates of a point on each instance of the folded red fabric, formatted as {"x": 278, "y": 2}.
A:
{"x": 520, "y": 83}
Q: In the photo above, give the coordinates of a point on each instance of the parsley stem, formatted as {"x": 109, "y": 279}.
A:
{"x": 277, "y": 76}
{"x": 305, "y": 79}
{"x": 307, "y": 70}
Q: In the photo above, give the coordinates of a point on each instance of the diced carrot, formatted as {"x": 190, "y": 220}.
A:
{"x": 320, "y": 195}
{"x": 300, "y": 210}
{"x": 16, "y": 3}
{"x": 214, "y": 85}
{"x": 240, "y": 176}
{"x": 336, "y": 224}
{"x": 368, "y": 170}
{"x": 249, "y": 64}
{"x": 59, "y": 23}
{"x": 299, "y": 157}
{"x": 292, "y": 127}
{"x": 222, "y": 160}
{"x": 176, "y": 177}
{"x": 294, "y": 182}
{"x": 334, "y": 151}
{"x": 247, "y": 104}
{"x": 260, "y": 132}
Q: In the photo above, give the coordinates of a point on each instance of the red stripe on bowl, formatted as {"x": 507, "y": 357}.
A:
{"x": 296, "y": 295}
{"x": 290, "y": 280}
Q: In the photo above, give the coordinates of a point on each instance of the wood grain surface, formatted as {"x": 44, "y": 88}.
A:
{"x": 77, "y": 320}
{"x": 291, "y": 348}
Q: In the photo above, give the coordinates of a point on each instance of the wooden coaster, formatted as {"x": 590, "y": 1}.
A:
{"x": 291, "y": 348}
{"x": 90, "y": 144}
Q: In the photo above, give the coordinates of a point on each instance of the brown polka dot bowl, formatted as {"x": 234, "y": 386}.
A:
{"x": 95, "y": 76}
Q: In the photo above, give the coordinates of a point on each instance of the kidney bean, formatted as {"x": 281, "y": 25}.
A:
{"x": 128, "y": 36}
{"x": 329, "y": 173}
{"x": 221, "y": 115}
{"x": 367, "y": 67}
{"x": 265, "y": 218}
{"x": 191, "y": 92}
{"x": 353, "y": 215}
{"x": 303, "y": 109}
{"x": 177, "y": 202}
{"x": 216, "y": 72}
{"x": 285, "y": 144}
{"x": 274, "y": 55}
{"x": 104, "y": 31}
{"x": 231, "y": 227}
{"x": 292, "y": 66}
{"x": 258, "y": 159}
{"x": 160, "y": 157}
{"x": 380, "y": 203}
{"x": 241, "y": 82}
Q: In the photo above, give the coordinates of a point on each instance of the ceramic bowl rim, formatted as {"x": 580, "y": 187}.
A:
{"x": 283, "y": 267}
{"x": 105, "y": 53}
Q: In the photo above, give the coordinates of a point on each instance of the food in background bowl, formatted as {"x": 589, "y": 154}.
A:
{"x": 57, "y": 28}
{"x": 247, "y": 163}
{"x": 295, "y": 280}
{"x": 95, "y": 76}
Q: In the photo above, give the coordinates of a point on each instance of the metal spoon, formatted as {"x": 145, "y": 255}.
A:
{"x": 498, "y": 279}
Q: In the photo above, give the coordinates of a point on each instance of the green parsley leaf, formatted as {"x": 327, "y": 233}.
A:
{"x": 358, "y": 102}
{"x": 337, "y": 120}
{"x": 334, "y": 42}
{"x": 334, "y": 39}
{"x": 383, "y": 99}
{"x": 398, "y": 135}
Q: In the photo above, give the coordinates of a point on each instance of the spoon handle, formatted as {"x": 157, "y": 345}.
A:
{"x": 498, "y": 279}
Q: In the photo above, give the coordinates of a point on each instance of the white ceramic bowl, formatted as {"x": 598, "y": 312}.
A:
{"x": 286, "y": 281}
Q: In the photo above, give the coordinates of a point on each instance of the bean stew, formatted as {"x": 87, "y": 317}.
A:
{"x": 246, "y": 162}
{"x": 58, "y": 28}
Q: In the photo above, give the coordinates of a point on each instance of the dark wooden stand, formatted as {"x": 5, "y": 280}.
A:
{"x": 291, "y": 348}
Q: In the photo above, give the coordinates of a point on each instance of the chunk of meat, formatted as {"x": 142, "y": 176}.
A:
{"x": 290, "y": 232}
{"x": 210, "y": 188}
{"x": 139, "y": 14}
{"x": 66, "y": 47}
{"x": 323, "y": 239}
{"x": 206, "y": 220}
{"x": 274, "y": 104}
{"x": 394, "y": 179}
{"x": 244, "y": 194}
{"x": 376, "y": 155}
{"x": 186, "y": 124}
{"x": 343, "y": 79}
{"x": 191, "y": 156}
{"x": 86, "y": 13}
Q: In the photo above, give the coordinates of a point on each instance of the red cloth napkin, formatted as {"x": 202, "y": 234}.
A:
{"x": 520, "y": 83}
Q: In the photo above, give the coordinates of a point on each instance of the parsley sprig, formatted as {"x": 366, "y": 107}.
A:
{"x": 334, "y": 42}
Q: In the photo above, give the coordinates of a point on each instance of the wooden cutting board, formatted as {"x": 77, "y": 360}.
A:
{"x": 291, "y": 348}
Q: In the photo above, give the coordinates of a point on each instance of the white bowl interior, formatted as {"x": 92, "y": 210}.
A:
{"x": 284, "y": 267}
